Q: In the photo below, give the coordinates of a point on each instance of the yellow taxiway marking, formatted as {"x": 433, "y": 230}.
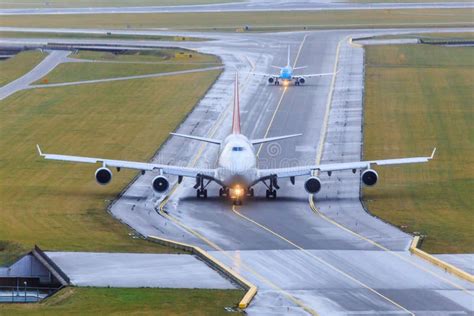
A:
{"x": 234, "y": 209}
{"x": 376, "y": 244}
{"x": 281, "y": 97}
{"x": 163, "y": 203}
{"x": 326, "y": 218}
{"x": 324, "y": 127}
{"x": 271, "y": 120}
{"x": 299, "y": 50}
{"x": 243, "y": 265}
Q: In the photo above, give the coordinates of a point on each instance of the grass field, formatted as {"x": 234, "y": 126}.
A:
{"x": 418, "y": 97}
{"x": 161, "y": 55}
{"x": 432, "y": 36}
{"x": 58, "y": 205}
{"x": 257, "y": 21}
{"x": 100, "y": 3}
{"x": 12, "y": 69}
{"x": 48, "y": 35}
{"x": 111, "y": 65}
{"x": 123, "y": 301}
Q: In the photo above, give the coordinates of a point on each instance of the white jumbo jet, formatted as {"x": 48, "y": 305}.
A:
{"x": 236, "y": 171}
{"x": 286, "y": 74}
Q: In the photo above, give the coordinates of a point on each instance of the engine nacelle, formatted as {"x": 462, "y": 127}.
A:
{"x": 160, "y": 184}
{"x": 271, "y": 80}
{"x": 369, "y": 177}
{"x": 312, "y": 185}
{"x": 103, "y": 176}
{"x": 301, "y": 80}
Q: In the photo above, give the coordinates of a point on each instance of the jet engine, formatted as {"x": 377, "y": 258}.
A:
{"x": 271, "y": 80}
{"x": 301, "y": 80}
{"x": 103, "y": 176}
{"x": 369, "y": 177}
{"x": 312, "y": 185}
{"x": 160, "y": 184}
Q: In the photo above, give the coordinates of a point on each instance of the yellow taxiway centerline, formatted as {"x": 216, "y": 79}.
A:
{"x": 234, "y": 209}
{"x": 326, "y": 218}
{"x": 323, "y": 134}
{"x": 161, "y": 211}
{"x": 243, "y": 265}
{"x": 281, "y": 97}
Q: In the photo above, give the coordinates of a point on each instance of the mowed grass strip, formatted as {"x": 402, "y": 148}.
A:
{"x": 71, "y": 72}
{"x": 58, "y": 205}
{"x": 108, "y": 65}
{"x": 126, "y": 301}
{"x": 469, "y": 36}
{"x": 165, "y": 55}
{"x": 9, "y": 252}
{"x": 418, "y": 97}
{"x": 15, "y": 67}
{"x": 8, "y": 34}
{"x": 255, "y": 20}
{"x": 100, "y": 3}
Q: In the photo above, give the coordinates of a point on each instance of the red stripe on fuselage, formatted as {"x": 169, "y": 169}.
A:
{"x": 236, "y": 113}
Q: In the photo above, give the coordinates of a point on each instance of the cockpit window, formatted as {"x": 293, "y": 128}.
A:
{"x": 237, "y": 148}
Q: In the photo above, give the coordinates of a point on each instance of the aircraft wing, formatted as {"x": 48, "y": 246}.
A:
{"x": 359, "y": 165}
{"x": 144, "y": 166}
{"x": 264, "y": 74}
{"x": 314, "y": 75}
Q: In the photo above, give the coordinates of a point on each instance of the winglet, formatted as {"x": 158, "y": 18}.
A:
{"x": 39, "y": 150}
{"x": 433, "y": 153}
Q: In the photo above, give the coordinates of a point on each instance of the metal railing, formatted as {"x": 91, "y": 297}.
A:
{"x": 24, "y": 293}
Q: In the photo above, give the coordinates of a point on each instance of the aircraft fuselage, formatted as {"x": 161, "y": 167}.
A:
{"x": 237, "y": 162}
{"x": 286, "y": 73}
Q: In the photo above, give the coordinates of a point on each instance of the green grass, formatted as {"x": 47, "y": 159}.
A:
{"x": 111, "y": 65}
{"x": 7, "y": 34}
{"x": 10, "y": 251}
{"x": 161, "y": 55}
{"x": 125, "y": 301}
{"x": 418, "y": 97}
{"x": 71, "y": 72}
{"x": 256, "y": 20}
{"x": 58, "y": 205}
{"x": 100, "y": 3}
{"x": 14, "y": 68}
{"x": 431, "y": 36}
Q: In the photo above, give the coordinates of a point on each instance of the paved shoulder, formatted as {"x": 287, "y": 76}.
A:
{"x": 138, "y": 270}
{"x": 49, "y": 63}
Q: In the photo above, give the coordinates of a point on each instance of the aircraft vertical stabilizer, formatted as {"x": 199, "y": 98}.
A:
{"x": 236, "y": 113}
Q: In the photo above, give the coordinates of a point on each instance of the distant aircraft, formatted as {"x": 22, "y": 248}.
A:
{"x": 236, "y": 170}
{"x": 286, "y": 74}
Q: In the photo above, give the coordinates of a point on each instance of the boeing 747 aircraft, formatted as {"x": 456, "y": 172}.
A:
{"x": 286, "y": 74}
{"x": 236, "y": 170}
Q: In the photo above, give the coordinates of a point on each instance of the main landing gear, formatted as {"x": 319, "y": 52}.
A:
{"x": 271, "y": 188}
{"x": 201, "y": 191}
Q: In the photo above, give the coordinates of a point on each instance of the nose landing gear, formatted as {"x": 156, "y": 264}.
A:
{"x": 250, "y": 192}
{"x": 223, "y": 192}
